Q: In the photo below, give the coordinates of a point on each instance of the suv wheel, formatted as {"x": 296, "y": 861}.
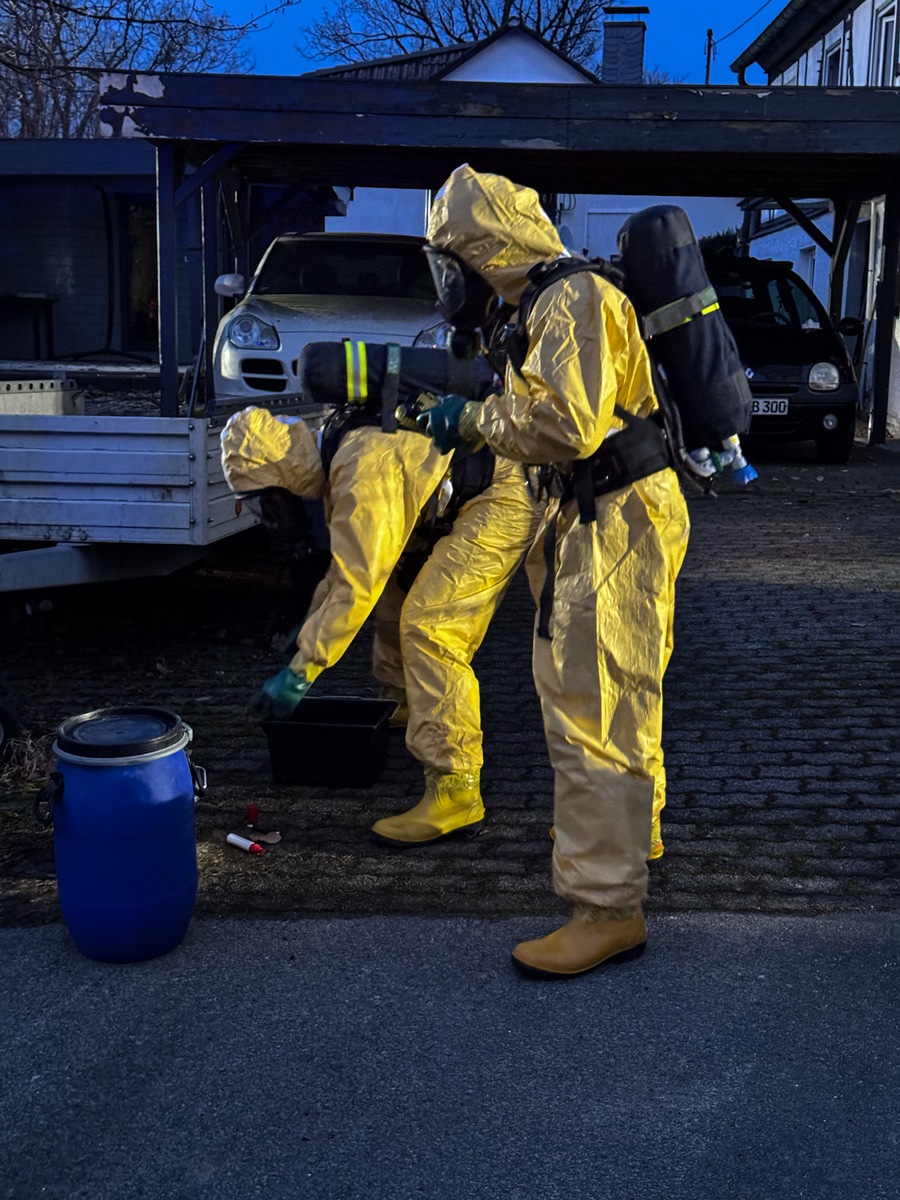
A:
{"x": 837, "y": 446}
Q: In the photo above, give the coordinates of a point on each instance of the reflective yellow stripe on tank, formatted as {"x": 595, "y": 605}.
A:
{"x": 357, "y": 372}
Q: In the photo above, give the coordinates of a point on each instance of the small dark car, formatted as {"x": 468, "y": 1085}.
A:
{"x": 801, "y": 376}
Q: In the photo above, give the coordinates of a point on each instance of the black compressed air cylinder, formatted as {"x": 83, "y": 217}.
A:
{"x": 323, "y": 369}
{"x": 662, "y": 262}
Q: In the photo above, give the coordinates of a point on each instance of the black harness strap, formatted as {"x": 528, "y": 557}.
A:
{"x": 639, "y": 450}
{"x": 390, "y": 389}
{"x": 545, "y": 607}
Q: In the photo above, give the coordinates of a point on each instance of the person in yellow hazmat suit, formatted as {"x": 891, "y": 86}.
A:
{"x": 426, "y": 637}
{"x": 440, "y": 625}
{"x": 376, "y": 488}
{"x": 602, "y": 572}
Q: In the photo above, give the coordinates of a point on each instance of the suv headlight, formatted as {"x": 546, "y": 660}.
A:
{"x": 249, "y": 334}
{"x": 437, "y": 336}
{"x": 824, "y": 377}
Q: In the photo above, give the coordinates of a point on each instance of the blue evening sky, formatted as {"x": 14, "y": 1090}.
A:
{"x": 676, "y": 36}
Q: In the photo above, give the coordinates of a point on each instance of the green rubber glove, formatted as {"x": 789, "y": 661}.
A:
{"x": 279, "y": 696}
{"x": 441, "y": 423}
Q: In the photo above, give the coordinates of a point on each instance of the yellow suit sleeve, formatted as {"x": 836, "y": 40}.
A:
{"x": 584, "y": 357}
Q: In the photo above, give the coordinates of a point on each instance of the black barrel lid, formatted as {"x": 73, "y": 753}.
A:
{"x": 125, "y": 732}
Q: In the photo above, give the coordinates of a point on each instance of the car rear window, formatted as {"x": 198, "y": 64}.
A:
{"x": 345, "y": 269}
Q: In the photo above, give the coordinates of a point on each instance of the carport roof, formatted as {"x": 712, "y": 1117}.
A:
{"x": 648, "y": 140}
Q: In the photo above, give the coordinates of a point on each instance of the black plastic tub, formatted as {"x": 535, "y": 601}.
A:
{"x": 332, "y": 741}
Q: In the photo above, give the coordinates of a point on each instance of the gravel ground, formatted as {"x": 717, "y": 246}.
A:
{"x": 782, "y": 726}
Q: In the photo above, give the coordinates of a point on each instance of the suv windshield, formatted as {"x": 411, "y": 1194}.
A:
{"x": 765, "y": 294}
{"x": 317, "y": 268}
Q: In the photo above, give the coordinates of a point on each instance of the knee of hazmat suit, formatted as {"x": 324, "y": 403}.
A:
{"x": 585, "y": 358}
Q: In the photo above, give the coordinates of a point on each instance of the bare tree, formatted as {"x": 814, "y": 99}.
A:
{"x": 355, "y": 30}
{"x": 47, "y": 47}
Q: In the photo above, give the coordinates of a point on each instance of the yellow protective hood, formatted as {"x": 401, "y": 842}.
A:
{"x": 494, "y": 225}
{"x": 260, "y": 450}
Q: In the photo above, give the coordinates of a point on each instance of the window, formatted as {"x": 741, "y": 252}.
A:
{"x": 806, "y": 267}
{"x": 295, "y": 267}
{"x": 832, "y": 72}
{"x": 883, "y": 53}
{"x": 758, "y": 293}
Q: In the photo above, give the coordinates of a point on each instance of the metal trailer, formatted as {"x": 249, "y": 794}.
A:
{"x": 94, "y": 497}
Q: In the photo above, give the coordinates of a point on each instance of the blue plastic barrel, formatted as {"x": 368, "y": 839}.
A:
{"x": 122, "y": 808}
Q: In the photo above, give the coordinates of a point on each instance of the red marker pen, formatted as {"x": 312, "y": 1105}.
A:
{"x": 235, "y": 839}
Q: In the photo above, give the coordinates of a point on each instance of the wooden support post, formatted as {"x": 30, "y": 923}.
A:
{"x": 846, "y": 215}
{"x": 886, "y": 312}
{"x": 209, "y": 212}
{"x": 167, "y": 298}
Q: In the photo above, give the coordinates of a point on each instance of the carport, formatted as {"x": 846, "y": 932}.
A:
{"x": 221, "y": 134}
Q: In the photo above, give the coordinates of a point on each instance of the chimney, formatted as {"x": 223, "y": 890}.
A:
{"x": 623, "y": 45}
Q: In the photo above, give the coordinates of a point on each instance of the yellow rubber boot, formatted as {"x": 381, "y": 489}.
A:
{"x": 656, "y": 843}
{"x": 591, "y": 937}
{"x": 451, "y": 803}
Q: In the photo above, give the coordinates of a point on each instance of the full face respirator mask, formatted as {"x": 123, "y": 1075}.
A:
{"x": 284, "y": 518}
{"x": 465, "y": 299}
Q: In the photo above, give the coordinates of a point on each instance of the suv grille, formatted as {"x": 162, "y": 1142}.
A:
{"x": 264, "y": 374}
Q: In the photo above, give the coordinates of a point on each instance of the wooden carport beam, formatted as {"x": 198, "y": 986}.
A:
{"x": 808, "y": 226}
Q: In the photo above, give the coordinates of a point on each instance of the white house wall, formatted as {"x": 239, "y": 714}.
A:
{"x": 794, "y": 245}
{"x": 594, "y": 221}
{"x": 383, "y": 210}
{"x": 516, "y": 58}
{"x": 855, "y": 37}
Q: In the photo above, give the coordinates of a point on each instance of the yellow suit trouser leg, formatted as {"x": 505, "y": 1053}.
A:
{"x": 387, "y": 656}
{"x": 600, "y": 683}
{"x": 657, "y": 764}
{"x": 447, "y": 613}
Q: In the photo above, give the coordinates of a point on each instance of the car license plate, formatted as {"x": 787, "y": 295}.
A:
{"x": 769, "y": 406}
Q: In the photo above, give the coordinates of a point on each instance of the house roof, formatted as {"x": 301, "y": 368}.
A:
{"x": 795, "y": 28}
{"x": 435, "y": 62}
{"x": 420, "y": 64}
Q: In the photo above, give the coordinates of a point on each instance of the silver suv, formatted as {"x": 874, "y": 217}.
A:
{"x": 318, "y": 287}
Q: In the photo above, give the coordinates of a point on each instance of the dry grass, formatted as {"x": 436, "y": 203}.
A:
{"x": 27, "y": 760}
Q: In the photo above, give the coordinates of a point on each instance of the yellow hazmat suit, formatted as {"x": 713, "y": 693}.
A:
{"x": 600, "y": 677}
{"x": 377, "y": 486}
{"x": 442, "y": 623}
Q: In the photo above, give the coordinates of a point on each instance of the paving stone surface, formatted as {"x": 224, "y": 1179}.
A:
{"x": 782, "y": 725}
